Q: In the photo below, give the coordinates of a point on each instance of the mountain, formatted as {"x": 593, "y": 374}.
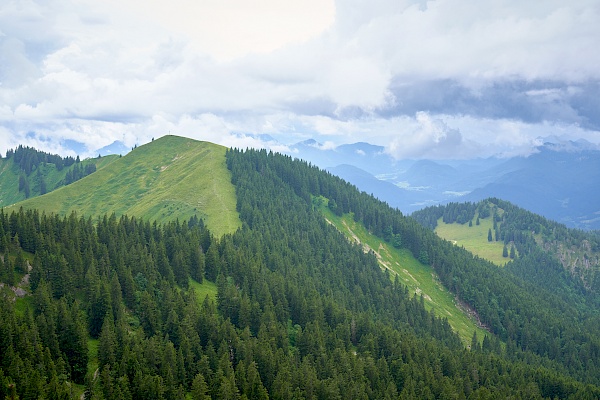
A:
{"x": 368, "y": 157}
{"x": 431, "y": 173}
{"x": 510, "y": 226}
{"x": 158, "y": 181}
{"x": 116, "y": 147}
{"x": 560, "y": 180}
{"x": 110, "y": 307}
{"x": 26, "y": 172}
{"x": 382, "y": 189}
{"x": 561, "y": 185}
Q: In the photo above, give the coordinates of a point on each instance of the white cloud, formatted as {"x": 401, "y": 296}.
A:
{"x": 431, "y": 138}
{"x": 101, "y": 71}
{"x": 358, "y": 82}
{"x": 228, "y": 29}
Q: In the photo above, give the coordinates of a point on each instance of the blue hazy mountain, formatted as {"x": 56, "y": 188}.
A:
{"x": 560, "y": 181}
{"x": 368, "y": 157}
{"x": 116, "y": 147}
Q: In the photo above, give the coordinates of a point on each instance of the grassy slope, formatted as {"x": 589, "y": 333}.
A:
{"x": 474, "y": 239}
{"x": 9, "y": 178}
{"x": 9, "y": 183}
{"x": 417, "y": 277}
{"x": 169, "y": 178}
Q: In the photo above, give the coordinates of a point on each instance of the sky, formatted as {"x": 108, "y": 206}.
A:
{"x": 425, "y": 79}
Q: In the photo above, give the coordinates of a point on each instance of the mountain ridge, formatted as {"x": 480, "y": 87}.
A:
{"x": 156, "y": 181}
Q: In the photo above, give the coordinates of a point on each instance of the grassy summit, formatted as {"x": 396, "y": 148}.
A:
{"x": 171, "y": 177}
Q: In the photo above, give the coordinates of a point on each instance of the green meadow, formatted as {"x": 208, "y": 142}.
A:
{"x": 474, "y": 238}
{"x": 171, "y": 178}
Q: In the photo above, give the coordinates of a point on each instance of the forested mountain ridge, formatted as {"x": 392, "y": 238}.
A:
{"x": 26, "y": 172}
{"x": 522, "y": 234}
{"x": 300, "y": 311}
{"x": 519, "y": 312}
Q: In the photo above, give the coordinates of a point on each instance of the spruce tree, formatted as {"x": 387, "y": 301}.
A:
{"x": 107, "y": 342}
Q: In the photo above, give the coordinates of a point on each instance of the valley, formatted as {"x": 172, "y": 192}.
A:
{"x": 558, "y": 179}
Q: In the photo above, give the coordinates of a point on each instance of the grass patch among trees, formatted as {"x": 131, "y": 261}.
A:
{"x": 474, "y": 238}
{"x": 206, "y": 288}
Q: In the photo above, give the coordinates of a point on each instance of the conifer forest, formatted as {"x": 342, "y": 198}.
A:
{"x": 112, "y": 309}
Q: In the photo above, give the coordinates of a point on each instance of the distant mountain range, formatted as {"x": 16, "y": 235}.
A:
{"x": 560, "y": 181}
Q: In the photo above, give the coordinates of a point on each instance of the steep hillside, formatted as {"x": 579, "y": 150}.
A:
{"x": 420, "y": 278}
{"x": 169, "y": 178}
{"x": 27, "y": 173}
{"x": 512, "y": 227}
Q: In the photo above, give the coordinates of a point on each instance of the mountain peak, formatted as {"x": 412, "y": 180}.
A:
{"x": 168, "y": 178}
{"x": 554, "y": 143}
{"x": 308, "y": 142}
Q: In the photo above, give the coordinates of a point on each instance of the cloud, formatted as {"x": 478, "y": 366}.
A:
{"x": 528, "y": 101}
{"x": 437, "y": 79}
{"x": 358, "y": 82}
{"x": 229, "y": 29}
{"x": 432, "y": 138}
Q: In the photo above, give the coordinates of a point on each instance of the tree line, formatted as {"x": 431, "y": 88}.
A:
{"x": 29, "y": 158}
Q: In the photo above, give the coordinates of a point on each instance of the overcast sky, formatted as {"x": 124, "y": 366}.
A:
{"x": 436, "y": 79}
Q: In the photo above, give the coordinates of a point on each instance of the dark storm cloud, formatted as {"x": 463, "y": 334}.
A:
{"x": 531, "y": 102}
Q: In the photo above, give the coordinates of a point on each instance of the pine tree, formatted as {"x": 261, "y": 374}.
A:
{"x": 475, "y": 343}
{"x": 213, "y": 263}
{"x": 7, "y": 271}
{"x": 490, "y": 235}
{"x": 199, "y": 388}
{"x": 107, "y": 342}
{"x": 197, "y": 263}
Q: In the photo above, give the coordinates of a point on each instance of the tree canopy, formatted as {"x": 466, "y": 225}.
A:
{"x": 300, "y": 312}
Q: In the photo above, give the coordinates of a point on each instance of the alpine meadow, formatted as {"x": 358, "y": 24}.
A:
{"x": 188, "y": 270}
